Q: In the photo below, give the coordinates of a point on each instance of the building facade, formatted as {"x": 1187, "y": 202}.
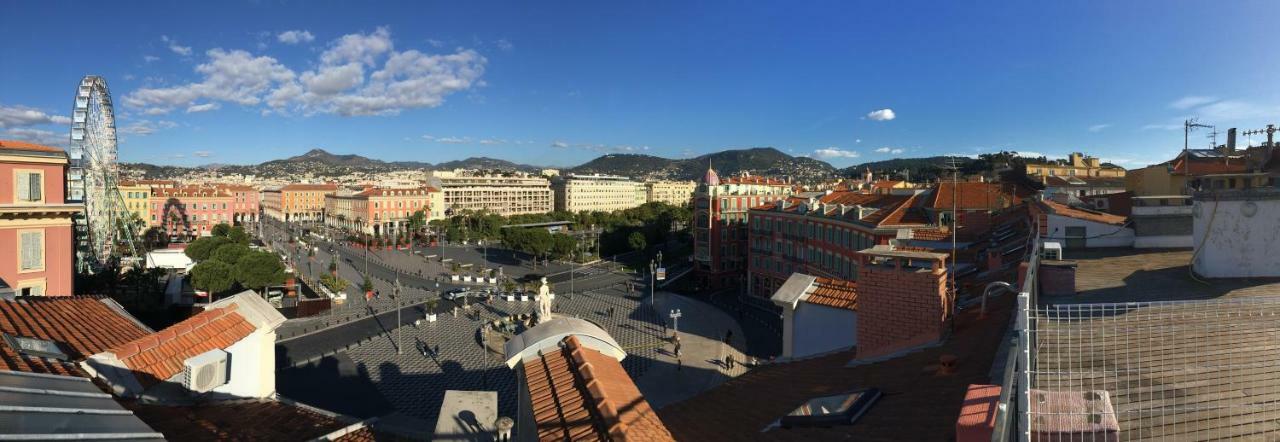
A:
{"x": 1078, "y": 164}
{"x": 821, "y": 235}
{"x": 597, "y": 193}
{"x": 137, "y": 199}
{"x": 676, "y": 193}
{"x": 720, "y": 210}
{"x": 377, "y": 211}
{"x": 302, "y": 203}
{"x": 189, "y": 212}
{"x": 245, "y": 202}
{"x": 506, "y": 195}
{"x": 35, "y": 221}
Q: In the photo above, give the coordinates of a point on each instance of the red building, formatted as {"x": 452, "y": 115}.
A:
{"x": 188, "y": 212}
{"x": 821, "y": 235}
{"x": 720, "y": 209}
{"x": 35, "y": 221}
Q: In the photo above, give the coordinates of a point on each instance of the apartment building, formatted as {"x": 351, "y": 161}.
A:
{"x": 35, "y": 221}
{"x": 296, "y": 202}
{"x": 720, "y": 209}
{"x": 676, "y": 193}
{"x": 1078, "y": 164}
{"x": 188, "y": 212}
{"x": 137, "y": 198}
{"x": 245, "y": 202}
{"x": 377, "y": 210}
{"x": 502, "y": 194}
{"x": 596, "y": 192}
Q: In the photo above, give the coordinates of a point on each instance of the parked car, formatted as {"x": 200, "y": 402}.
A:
{"x": 457, "y": 294}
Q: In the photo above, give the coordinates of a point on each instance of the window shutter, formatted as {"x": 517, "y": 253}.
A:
{"x": 24, "y": 185}
{"x": 35, "y": 185}
{"x": 32, "y": 252}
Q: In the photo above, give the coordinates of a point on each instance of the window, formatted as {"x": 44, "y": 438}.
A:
{"x": 28, "y": 186}
{"x": 31, "y": 251}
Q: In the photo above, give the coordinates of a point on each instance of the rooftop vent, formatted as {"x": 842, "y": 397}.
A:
{"x": 205, "y": 371}
{"x": 36, "y": 347}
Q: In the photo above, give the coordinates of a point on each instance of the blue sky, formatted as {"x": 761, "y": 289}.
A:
{"x": 559, "y": 83}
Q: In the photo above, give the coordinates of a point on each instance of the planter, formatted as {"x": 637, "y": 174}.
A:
{"x": 493, "y": 280}
{"x": 466, "y": 278}
{"x": 511, "y": 298}
{"x": 524, "y": 298}
{"x": 431, "y": 317}
{"x": 453, "y": 277}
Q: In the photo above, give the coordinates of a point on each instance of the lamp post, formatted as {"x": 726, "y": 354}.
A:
{"x": 653, "y": 268}
{"x": 395, "y": 291}
{"x": 675, "y": 321}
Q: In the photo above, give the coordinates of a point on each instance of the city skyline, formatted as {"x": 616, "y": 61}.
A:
{"x": 558, "y": 86}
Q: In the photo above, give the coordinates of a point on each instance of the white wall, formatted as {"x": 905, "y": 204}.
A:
{"x": 1239, "y": 244}
{"x": 1107, "y": 235}
{"x": 819, "y": 329}
{"x": 1162, "y": 242}
{"x": 253, "y": 366}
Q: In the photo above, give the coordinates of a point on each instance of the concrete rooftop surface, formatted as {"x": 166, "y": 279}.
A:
{"x": 1130, "y": 275}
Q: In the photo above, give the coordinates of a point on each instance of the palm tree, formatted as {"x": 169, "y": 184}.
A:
{"x": 415, "y": 222}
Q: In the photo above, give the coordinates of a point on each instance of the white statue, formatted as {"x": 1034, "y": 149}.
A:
{"x": 544, "y": 301}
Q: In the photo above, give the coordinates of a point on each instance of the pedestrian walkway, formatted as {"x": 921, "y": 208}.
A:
{"x": 702, "y": 352}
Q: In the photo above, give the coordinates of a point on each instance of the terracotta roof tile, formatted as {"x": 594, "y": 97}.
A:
{"x": 579, "y": 394}
{"x": 1083, "y": 214}
{"x": 978, "y": 196}
{"x": 836, "y": 293}
{"x": 305, "y": 187}
{"x": 23, "y": 145}
{"x": 160, "y": 355}
{"x": 235, "y": 420}
{"x": 80, "y": 325}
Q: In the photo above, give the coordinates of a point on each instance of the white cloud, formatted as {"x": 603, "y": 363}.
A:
{"x": 435, "y": 43}
{"x": 1234, "y": 110}
{"x": 19, "y": 116}
{"x": 881, "y": 115}
{"x": 174, "y": 46}
{"x": 202, "y": 107}
{"x": 39, "y": 136}
{"x": 295, "y": 36}
{"x": 1098, "y": 127}
{"x": 559, "y": 144}
{"x": 835, "y": 152}
{"x": 1191, "y": 101}
{"x": 1156, "y": 126}
{"x": 202, "y": 153}
{"x": 493, "y": 141}
{"x": 143, "y": 128}
{"x": 453, "y": 140}
{"x": 338, "y": 83}
{"x": 890, "y": 150}
{"x": 150, "y": 58}
{"x": 504, "y": 45}
{"x": 884, "y": 150}
{"x": 858, "y": 140}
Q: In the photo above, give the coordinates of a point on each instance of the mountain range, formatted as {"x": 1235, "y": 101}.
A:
{"x": 756, "y": 161}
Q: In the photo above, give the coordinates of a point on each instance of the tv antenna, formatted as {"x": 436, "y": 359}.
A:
{"x": 1270, "y": 131}
{"x": 953, "y": 164}
{"x": 1212, "y": 136}
{"x": 1188, "y": 126}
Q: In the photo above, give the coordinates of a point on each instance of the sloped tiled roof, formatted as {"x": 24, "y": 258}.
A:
{"x": 23, "y": 145}
{"x": 580, "y": 394}
{"x": 159, "y": 356}
{"x": 188, "y": 192}
{"x": 307, "y": 187}
{"x": 977, "y": 196}
{"x": 836, "y": 293}
{"x": 80, "y": 325}
{"x": 891, "y": 209}
{"x": 1083, "y": 214}
{"x": 235, "y": 420}
{"x": 753, "y": 179}
{"x": 1203, "y": 166}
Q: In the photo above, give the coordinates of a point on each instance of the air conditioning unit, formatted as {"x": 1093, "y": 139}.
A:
{"x": 205, "y": 371}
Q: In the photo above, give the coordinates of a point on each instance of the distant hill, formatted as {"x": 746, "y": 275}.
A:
{"x": 483, "y": 163}
{"x": 916, "y": 169}
{"x": 756, "y": 161}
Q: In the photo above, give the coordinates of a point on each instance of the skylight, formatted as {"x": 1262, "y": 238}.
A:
{"x": 844, "y": 409}
{"x": 42, "y": 348}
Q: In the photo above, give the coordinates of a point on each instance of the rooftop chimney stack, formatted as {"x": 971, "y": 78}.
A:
{"x": 1231, "y": 140}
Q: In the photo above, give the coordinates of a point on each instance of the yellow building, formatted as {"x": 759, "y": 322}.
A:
{"x": 1170, "y": 177}
{"x": 136, "y": 197}
{"x": 1077, "y": 165}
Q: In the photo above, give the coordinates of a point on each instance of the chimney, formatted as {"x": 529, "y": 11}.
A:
{"x": 903, "y": 302}
{"x": 1231, "y": 140}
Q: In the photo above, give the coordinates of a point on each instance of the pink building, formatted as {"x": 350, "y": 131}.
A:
{"x": 36, "y": 256}
{"x": 246, "y": 200}
{"x": 188, "y": 212}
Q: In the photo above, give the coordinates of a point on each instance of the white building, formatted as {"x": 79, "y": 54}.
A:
{"x": 818, "y": 315}
{"x": 503, "y": 194}
{"x": 676, "y": 193}
{"x": 604, "y": 193}
{"x": 1079, "y": 228}
{"x": 1161, "y": 221}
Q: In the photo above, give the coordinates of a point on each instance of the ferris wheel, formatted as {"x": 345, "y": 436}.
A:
{"x": 104, "y": 231}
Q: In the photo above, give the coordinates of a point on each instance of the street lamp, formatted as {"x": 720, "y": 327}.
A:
{"x": 653, "y": 269}
{"x": 395, "y": 291}
{"x": 675, "y": 321}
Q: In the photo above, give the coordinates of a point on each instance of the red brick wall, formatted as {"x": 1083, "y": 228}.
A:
{"x": 899, "y": 308}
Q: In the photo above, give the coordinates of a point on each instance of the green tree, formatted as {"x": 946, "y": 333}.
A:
{"x": 230, "y": 253}
{"x": 201, "y": 249}
{"x": 636, "y": 241}
{"x": 562, "y": 246}
{"x": 238, "y": 235}
{"x": 258, "y": 269}
{"x": 334, "y": 283}
{"x": 367, "y": 285}
{"x": 221, "y": 230}
{"x": 213, "y": 276}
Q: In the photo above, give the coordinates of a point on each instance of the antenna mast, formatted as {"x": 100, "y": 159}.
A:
{"x": 1188, "y": 126}
{"x": 953, "y": 164}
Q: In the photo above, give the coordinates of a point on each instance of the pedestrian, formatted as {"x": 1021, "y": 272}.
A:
{"x": 677, "y": 347}
{"x": 679, "y": 364}
{"x": 728, "y": 361}
{"x": 436, "y": 351}
{"x": 728, "y": 336}
{"x": 664, "y": 329}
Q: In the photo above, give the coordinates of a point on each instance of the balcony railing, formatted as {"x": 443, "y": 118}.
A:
{"x": 1012, "y": 419}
